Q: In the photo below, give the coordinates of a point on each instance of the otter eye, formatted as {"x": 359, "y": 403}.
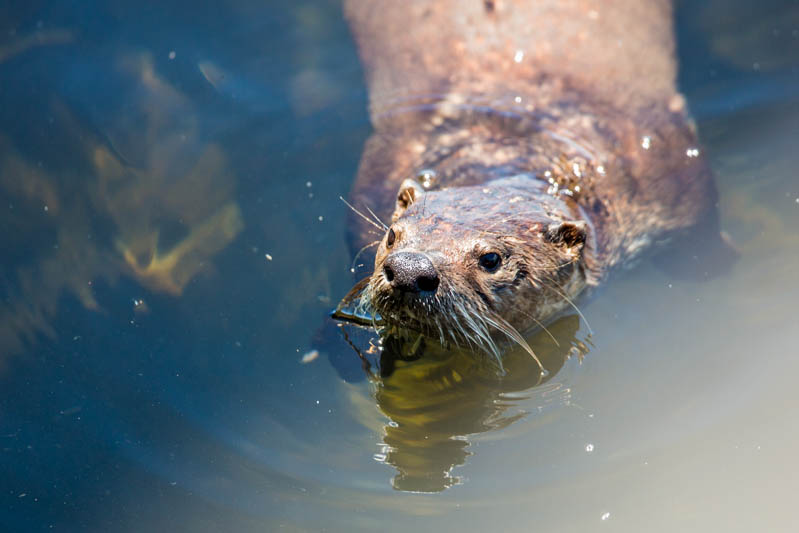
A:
{"x": 390, "y": 238}
{"x": 489, "y": 262}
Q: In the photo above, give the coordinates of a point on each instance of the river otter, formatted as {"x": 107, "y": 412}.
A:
{"x": 521, "y": 151}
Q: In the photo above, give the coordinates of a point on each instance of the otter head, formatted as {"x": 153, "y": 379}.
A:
{"x": 462, "y": 263}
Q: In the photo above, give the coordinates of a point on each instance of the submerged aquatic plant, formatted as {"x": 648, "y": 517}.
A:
{"x": 149, "y": 199}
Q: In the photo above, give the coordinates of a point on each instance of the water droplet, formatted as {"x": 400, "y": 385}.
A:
{"x": 309, "y": 357}
{"x": 646, "y": 142}
{"x": 518, "y": 56}
{"x": 426, "y": 177}
{"x": 589, "y": 448}
{"x": 605, "y": 516}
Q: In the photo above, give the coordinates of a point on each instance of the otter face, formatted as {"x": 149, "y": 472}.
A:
{"x": 459, "y": 263}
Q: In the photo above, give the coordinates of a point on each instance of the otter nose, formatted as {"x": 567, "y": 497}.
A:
{"x": 410, "y": 272}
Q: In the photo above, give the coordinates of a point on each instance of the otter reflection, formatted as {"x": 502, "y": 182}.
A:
{"x": 435, "y": 400}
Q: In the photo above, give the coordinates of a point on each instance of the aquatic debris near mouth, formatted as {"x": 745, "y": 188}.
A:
{"x": 352, "y": 309}
{"x": 355, "y": 309}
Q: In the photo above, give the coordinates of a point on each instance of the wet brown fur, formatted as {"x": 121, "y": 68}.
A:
{"x": 564, "y": 165}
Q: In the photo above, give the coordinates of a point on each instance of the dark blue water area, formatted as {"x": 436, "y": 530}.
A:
{"x": 89, "y": 419}
{"x": 758, "y": 65}
{"x": 116, "y": 414}
{"x": 111, "y": 417}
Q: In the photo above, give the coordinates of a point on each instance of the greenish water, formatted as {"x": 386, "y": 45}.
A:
{"x": 173, "y": 240}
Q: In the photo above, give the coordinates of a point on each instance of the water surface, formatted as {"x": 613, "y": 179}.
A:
{"x": 172, "y": 241}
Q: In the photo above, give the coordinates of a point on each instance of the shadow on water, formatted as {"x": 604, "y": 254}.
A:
{"x": 436, "y": 398}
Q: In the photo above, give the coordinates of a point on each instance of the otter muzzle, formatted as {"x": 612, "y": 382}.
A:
{"x": 410, "y": 272}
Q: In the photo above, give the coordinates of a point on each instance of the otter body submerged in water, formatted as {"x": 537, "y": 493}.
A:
{"x": 521, "y": 151}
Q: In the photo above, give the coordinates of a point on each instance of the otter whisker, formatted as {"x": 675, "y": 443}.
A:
{"x": 481, "y": 333}
{"x": 567, "y": 263}
{"x": 568, "y": 301}
{"x": 483, "y": 329}
{"x": 362, "y": 250}
{"x": 377, "y": 218}
{"x": 542, "y": 326}
{"x": 502, "y": 325}
{"x": 369, "y": 220}
{"x": 463, "y": 317}
{"x": 459, "y": 325}
{"x": 440, "y": 331}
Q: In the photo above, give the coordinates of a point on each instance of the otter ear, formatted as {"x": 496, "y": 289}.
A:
{"x": 409, "y": 193}
{"x": 569, "y": 233}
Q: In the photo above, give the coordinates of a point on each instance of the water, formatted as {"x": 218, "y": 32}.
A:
{"x": 172, "y": 240}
